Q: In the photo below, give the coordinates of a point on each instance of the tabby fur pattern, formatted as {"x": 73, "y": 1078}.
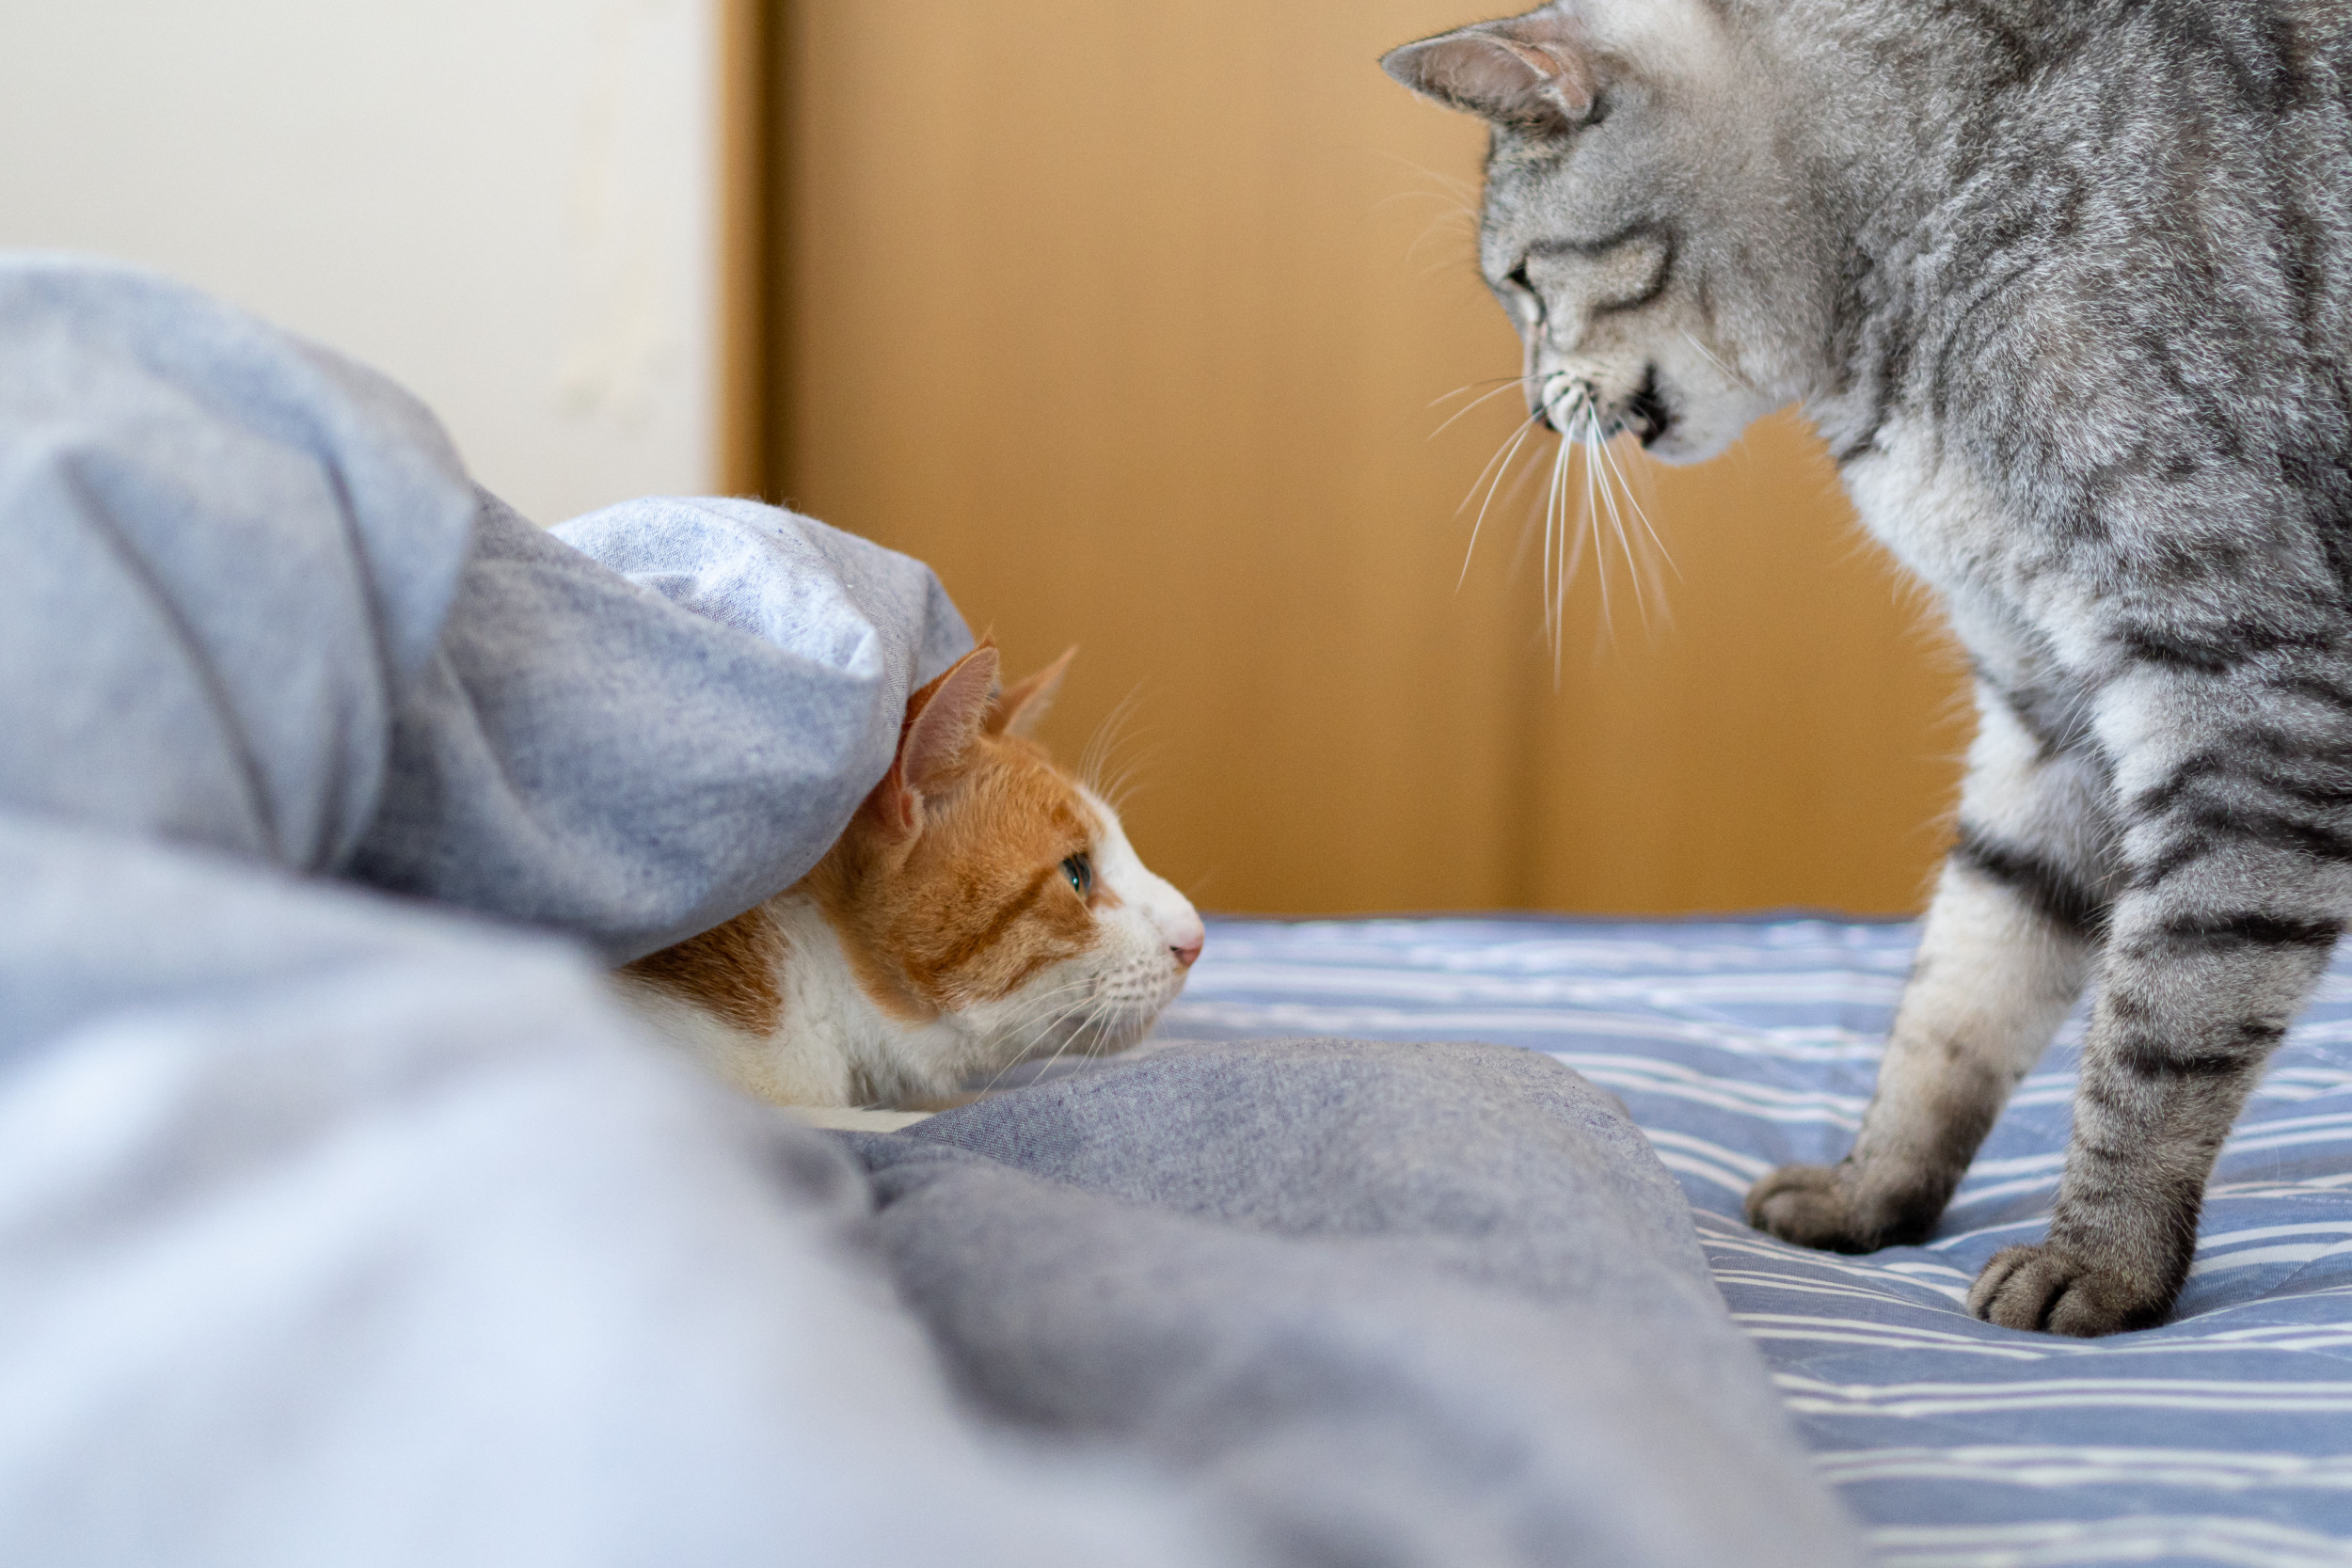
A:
{"x": 2064, "y": 284}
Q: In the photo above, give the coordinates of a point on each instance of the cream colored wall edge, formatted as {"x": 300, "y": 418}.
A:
{"x": 507, "y": 204}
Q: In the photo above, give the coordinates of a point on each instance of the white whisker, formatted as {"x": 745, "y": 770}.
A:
{"x": 1610, "y": 482}
{"x": 1552, "y": 511}
{"x": 1571, "y": 555}
{"x": 1655, "y": 547}
{"x": 1124, "y": 786}
{"x": 1518, "y": 439}
{"x": 1038, "y": 1028}
{"x": 1706, "y": 353}
{"x": 1471, "y": 406}
{"x": 1112, "y": 736}
{"x": 1462, "y": 190}
{"x": 1573, "y": 449}
{"x": 1566, "y": 524}
{"x": 1534, "y": 514}
{"x": 1599, "y": 491}
{"x": 1469, "y": 386}
{"x": 1493, "y": 465}
{"x": 1071, "y": 1039}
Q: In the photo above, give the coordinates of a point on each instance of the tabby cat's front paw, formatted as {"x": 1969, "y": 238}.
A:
{"x": 2055, "y": 1290}
{"x": 1831, "y": 1207}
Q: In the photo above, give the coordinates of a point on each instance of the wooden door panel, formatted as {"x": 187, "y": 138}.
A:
{"x": 1129, "y": 319}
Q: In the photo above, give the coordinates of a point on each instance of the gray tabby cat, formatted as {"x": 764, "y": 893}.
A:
{"x": 2065, "y": 286}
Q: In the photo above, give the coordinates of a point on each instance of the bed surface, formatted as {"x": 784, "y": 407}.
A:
{"x": 2223, "y": 1437}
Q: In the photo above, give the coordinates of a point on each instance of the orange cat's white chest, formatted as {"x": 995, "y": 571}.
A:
{"x": 825, "y": 1038}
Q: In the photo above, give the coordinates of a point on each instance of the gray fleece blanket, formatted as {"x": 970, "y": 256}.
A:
{"x": 344, "y": 1219}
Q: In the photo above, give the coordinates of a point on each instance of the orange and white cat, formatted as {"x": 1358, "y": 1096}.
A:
{"x": 982, "y": 906}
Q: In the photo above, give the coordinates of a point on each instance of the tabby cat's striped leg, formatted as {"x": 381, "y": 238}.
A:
{"x": 2238, "y": 856}
{"x": 2001, "y": 959}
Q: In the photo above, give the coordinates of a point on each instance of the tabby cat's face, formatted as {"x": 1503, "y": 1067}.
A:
{"x": 1630, "y": 225}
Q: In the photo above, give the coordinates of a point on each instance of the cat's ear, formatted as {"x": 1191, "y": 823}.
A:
{"x": 943, "y": 721}
{"x": 1024, "y": 701}
{"x": 1531, "y": 71}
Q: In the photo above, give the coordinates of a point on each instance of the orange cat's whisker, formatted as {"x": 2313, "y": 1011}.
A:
{"x": 1098, "y": 1025}
{"x": 1116, "y": 788}
{"x": 1059, "y": 1017}
{"x": 1026, "y": 1047}
{"x": 1127, "y": 786}
{"x": 1035, "y": 1032}
{"x": 1109, "y": 737}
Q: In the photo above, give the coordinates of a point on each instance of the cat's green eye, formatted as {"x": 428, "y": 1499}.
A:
{"x": 1079, "y": 868}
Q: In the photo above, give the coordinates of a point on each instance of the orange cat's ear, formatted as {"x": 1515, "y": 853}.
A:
{"x": 1024, "y": 701}
{"x": 953, "y": 708}
{"x": 943, "y": 720}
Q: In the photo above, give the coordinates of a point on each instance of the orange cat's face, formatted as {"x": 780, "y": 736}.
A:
{"x": 981, "y": 883}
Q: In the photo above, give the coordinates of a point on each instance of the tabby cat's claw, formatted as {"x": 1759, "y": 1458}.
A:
{"x": 2054, "y": 1291}
{"x": 1815, "y": 1206}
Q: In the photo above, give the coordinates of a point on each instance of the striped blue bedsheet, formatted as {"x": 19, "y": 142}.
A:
{"x": 2223, "y": 1437}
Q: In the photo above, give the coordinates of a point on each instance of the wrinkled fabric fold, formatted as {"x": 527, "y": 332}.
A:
{"x": 341, "y": 1230}
{"x": 1425, "y": 1305}
{"x": 633, "y": 755}
{"x": 254, "y": 604}
{"x": 226, "y": 551}
{"x": 356, "y": 1223}
{"x": 345, "y": 1217}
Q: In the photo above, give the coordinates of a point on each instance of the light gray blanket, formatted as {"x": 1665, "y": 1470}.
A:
{"x": 343, "y": 1220}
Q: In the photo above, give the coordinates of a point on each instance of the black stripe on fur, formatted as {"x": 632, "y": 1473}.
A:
{"x": 2049, "y": 889}
{"x": 2251, "y": 928}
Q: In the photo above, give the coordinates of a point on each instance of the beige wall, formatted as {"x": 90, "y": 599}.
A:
{"x": 507, "y": 204}
{"x": 1129, "y": 317}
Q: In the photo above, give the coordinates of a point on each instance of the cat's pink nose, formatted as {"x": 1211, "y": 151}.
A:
{"x": 1184, "y": 942}
{"x": 1189, "y": 953}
